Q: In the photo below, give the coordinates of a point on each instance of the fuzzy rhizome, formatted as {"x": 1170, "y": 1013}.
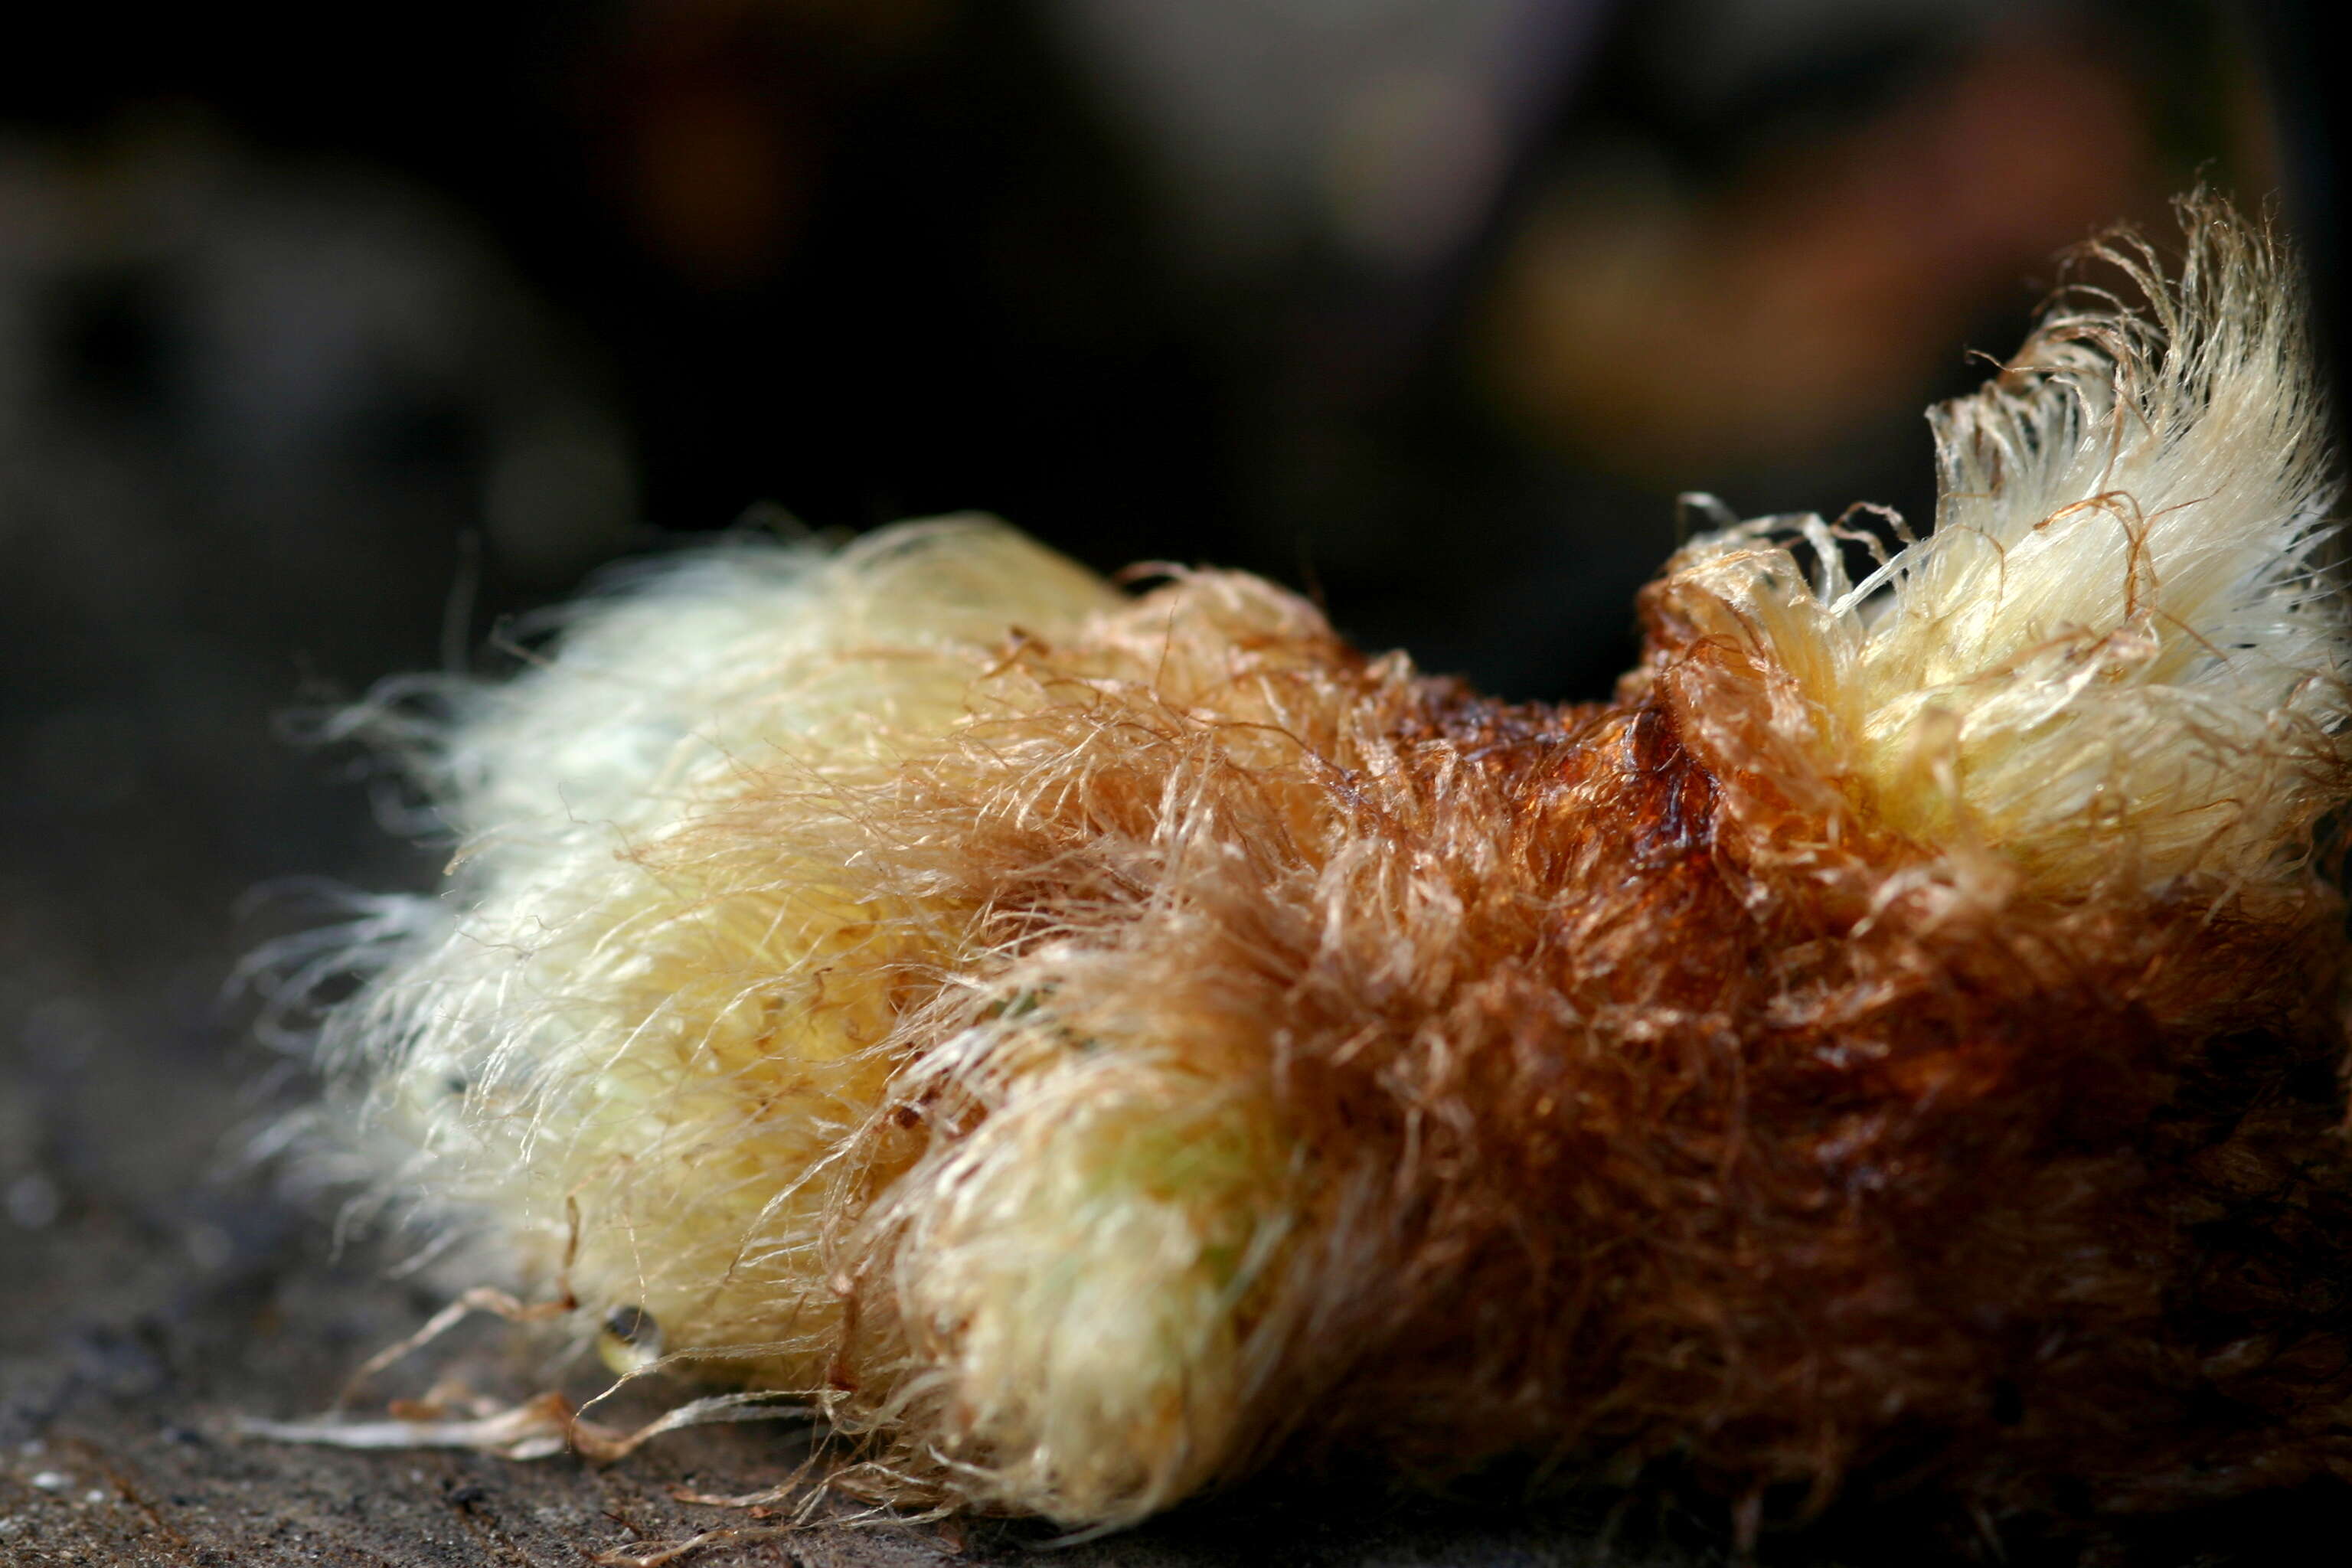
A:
{"x": 1097, "y": 1047}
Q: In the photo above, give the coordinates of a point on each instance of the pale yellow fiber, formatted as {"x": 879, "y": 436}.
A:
{"x": 682, "y": 1049}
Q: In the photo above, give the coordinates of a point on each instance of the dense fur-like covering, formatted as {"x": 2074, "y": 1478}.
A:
{"x": 1100, "y": 1045}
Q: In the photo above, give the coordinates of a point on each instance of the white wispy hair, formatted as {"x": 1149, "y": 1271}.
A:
{"x": 2121, "y": 651}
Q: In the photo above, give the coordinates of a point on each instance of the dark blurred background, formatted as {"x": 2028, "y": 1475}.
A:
{"x": 331, "y": 341}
